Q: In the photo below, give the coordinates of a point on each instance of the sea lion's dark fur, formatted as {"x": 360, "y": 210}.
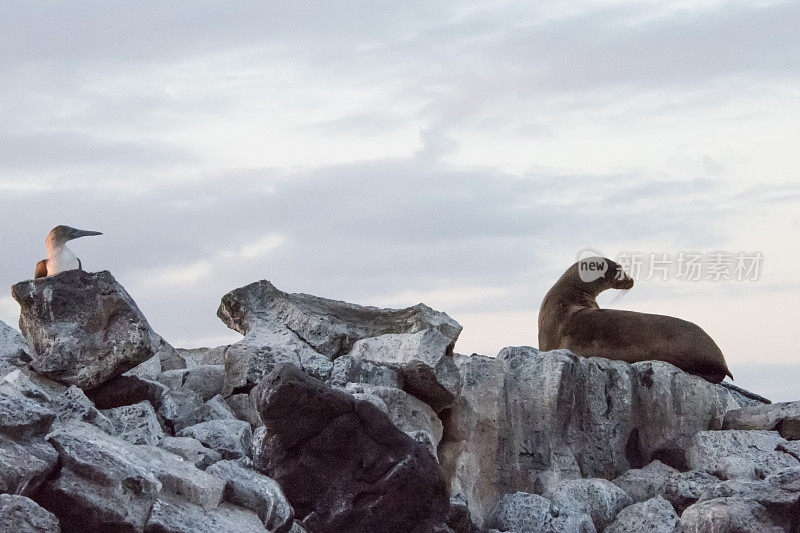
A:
{"x": 570, "y": 318}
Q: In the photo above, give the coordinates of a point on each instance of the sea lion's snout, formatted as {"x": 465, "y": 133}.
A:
{"x": 623, "y": 281}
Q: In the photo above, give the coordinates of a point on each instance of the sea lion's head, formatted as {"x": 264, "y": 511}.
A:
{"x": 597, "y": 274}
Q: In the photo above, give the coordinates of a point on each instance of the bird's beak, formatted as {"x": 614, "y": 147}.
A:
{"x": 75, "y": 233}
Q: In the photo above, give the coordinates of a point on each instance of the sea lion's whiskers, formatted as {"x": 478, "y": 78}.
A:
{"x": 620, "y": 294}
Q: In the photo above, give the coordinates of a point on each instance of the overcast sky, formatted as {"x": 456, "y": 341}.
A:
{"x": 456, "y": 153}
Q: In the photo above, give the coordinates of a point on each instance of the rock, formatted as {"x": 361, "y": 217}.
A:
{"x": 107, "y": 484}
{"x": 22, "y": 515}
{"x": 781, "y": 417}
{"x": 205, "y": 380}
{"x": 25, "y": 464}
{"x": 214, "y": 409}
{"x": 26, "y": 460}
{"x": 530, "y": 512}
{"x": 84, "y": 329}
{"x": 191, "y": 450}
{"x": 150, "y": 369}
{"x": 739, "y": 454}
{"x": 21, "y": 417}
{"x": 406, "y": 412}
{"x": 598, "y": 498}
{"x": 728, "y": 515}
{"x": 231, "y": 438}
{"x": 424, "y": 361}
{"x": 175, "y": 516}
{"x": 681, "y": 489}
{"x": 137, "y": 423}
{"x": 791, "y": 447}
{"x": 307, "y": 331}
{"x": 526, "y": 420}
{"x": 173, "y": 379}
{"x": 254, "y": 491}
{"x": 73, "y": 404}
{"x": 349, "y": 369}
{"x": 459, "y": 519}
{"x": 670, "y": 406}
{"x": 244, "y": 409}
{"x": 13, "y": 349}
{"x": 126, "y": 390}
{"x": 178, "y": 404}
{"x": 655, "y": 515}
{"x": 776, "y": 494}
{"x": 342, "y": 463}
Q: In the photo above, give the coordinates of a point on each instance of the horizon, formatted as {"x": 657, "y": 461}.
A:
{"x": 459, "y": 155}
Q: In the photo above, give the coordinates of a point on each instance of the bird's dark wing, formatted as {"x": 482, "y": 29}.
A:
{"x": 41, "y": 269}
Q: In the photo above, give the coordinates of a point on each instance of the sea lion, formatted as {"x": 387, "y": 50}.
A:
{"x": 570, "y": 318}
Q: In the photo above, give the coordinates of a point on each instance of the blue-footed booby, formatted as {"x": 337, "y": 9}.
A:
{"x": 59, "y": 257}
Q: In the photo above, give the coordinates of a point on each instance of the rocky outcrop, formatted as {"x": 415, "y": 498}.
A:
{"x": 341, "y": 462}
{"x": 310, "y": 332}
{"x": 528, "y": 419}
{"x": 83, "y": 328}
{"x": 339, "y": 417}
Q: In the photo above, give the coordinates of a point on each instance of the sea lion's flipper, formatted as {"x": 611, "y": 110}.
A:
{"x": 41, "y": 269}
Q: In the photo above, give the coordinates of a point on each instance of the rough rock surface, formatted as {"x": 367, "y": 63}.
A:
{"x": 341, "y": 462}
{"x": 230, "y": 437}
{"x": 681, "y": 489}
{"x": 781, "y": 417}
{"x": 177, "y": 516}
{"x": 107, "y": 484}
{"x": 19, "y": 514}
{"x": 214, "y": 409}
{"x": 83, "y": 328}
{"x": 13, "y": 349}
{"x": 598, "y": 498}
{"x": 528, "y": 419}
{"x": 137, "y": 423}
{"x": 530, "y": 512}
{"x": 191, "y": 450}
{"x": 739, "y": 454}
{"x": 728, "y": 515}
{"x": 307, "y": 331}
{"x": 655, "y": 515}
{"x": 254, "y": 491}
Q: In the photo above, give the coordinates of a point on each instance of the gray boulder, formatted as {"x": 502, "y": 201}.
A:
{"x": 341, "y": 462}
{"x": 214, "y": 409}
{"x": 126, "y": 390}
{"x": 655, "y": 515}
{"x": 247, "y": 488}
{"x": 244, "y": 408}
{"x": 307, "y": 331}
{"x": 739, "y": 454}
{"x": 107, "y": 484}
{"x": 728, "y": 515}
{"x": 191, "y": 450}
{"x": 72, "y": 404}
{"x": 205, "y": 380}
{"x": 19, "y": 514}
{"x": 598, "y": 498}
{"x": 232, "y": 438}
{"x": 681, "y": 489}
{"x": 177, "y": 516}
{"x": 423, "y": 360}
{"x": 781, "y": 417}
{"x": 349, "y": 369}
{"x": 83, "y": 328}
{"x": 136, "y": 424}
{"x": 523, "y": 512}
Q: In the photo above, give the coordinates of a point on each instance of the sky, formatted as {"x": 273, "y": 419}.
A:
{"x": 460, "y": 154}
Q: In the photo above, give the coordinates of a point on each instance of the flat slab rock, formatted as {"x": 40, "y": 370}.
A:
{"x": 308, "y": 331}
{"x": 341, "y": 462}
{"x": 655, "y": 515}
{"x": 84, "y": 328}
{"x": 781, "y": 417}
